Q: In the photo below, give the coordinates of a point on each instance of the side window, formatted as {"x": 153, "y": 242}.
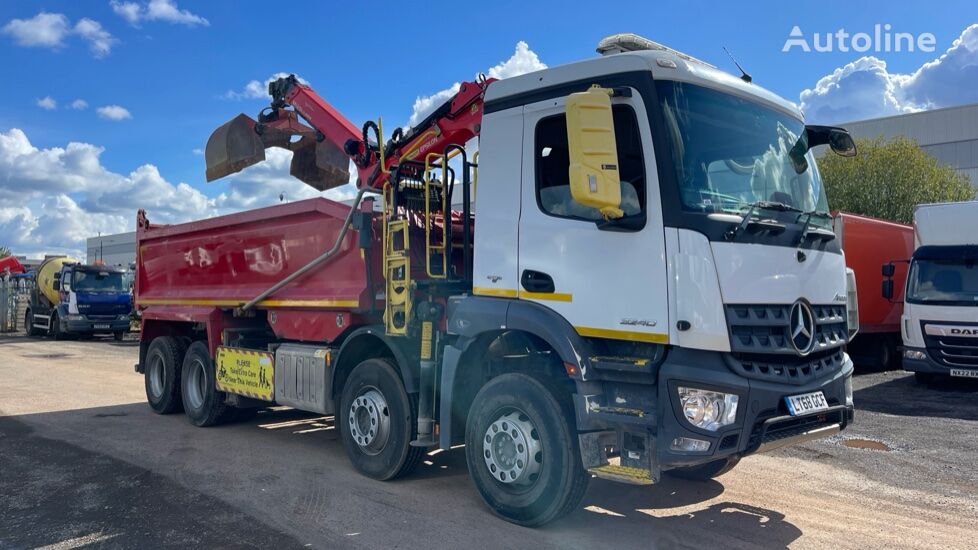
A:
{"x": 553, "y": 162}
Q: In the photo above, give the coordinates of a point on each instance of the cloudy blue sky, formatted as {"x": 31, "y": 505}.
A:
{"x": 107, "y": 104}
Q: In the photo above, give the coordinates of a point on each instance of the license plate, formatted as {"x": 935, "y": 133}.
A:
{"x": 101, "y": 327}
{"x": 806, "y": 403}
{"x": 964, "y": 373}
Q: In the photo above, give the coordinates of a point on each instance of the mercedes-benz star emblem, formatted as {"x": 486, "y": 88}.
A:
{"x": 801, "y": 324}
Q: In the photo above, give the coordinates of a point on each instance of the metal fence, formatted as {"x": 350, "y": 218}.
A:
{"x": 14, "y": 295}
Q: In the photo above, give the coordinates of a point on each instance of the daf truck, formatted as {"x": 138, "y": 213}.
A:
{"x": 73, "y": 299}
{"x": 940, "y": 313}
{"x": 650, "y": 284}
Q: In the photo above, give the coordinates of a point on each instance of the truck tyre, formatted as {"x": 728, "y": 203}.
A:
{"x": 378, "y": 421}
{"x": 706, "y": 471}
{"x": 522, "y": 451}
{"x": 119, "y": 336}
{"x": 164, "y": 361}
{"x": 203, "y": 404}
{"x": 32, "y": 332}
{"x": 55, "y": 327}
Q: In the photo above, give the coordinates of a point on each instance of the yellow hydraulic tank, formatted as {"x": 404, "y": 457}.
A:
{"x": 48, "y": 272}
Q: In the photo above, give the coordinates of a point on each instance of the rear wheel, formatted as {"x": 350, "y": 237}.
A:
{"x": 164, "y": 362}
{"x": 203, "y": 403}
{"x": 522, "y": 452}
{"x": 119, "y": 336}
{"x": 378, "y": 421}
{"x": 706, "y": 471}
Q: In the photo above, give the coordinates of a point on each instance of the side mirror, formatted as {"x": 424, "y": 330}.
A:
{"x": 842, "y": 143}
{"x": 838, "y": 139}
{"x": 594, "y": 179}
{"x": 56, "y": 285}
{"x": 888, "y": 270}
{"x": 887, "y": 289}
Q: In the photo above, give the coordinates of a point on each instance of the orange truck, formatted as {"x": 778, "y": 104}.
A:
{"x": 869, "y": 243}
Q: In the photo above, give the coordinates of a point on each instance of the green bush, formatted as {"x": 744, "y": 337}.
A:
{"x": 887, "y": 179}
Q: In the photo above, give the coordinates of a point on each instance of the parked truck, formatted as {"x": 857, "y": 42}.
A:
{"x": 940, "y": 314}
{"x": 73, "y": 299}
{"x": 868, "y": 244}
{"x": 651, "y": 284}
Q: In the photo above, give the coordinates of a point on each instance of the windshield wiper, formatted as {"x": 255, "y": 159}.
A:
{"x": 769, "y": 225}
{"x": 818, "y": 232}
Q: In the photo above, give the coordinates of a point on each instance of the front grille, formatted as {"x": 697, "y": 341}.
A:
{"x": 765, "y": 328}
{"x": 952, "y": 351}
{"x": 102, "y": 317}
{"x": 786, "y": 369}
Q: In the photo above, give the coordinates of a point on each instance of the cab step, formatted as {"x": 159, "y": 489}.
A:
{"x": 623, "y": 474}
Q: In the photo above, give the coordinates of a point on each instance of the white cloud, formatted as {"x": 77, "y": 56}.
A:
{"x": 45, "y": 30}
{"x": 198, "y": 151}
{"x": 156, "y": 10}
{"x": 523, "y": 60}
{"x": 866, "y": 89}
{"x": 64, "y": 195}
{"x": 256, "y": 89}
{"x": 47, "y": 103}
{"x": 114, "y": 112}
{"x": 49, "y": 30}
{"x": 79, "y": 104}
{"x": 99, "y": 40}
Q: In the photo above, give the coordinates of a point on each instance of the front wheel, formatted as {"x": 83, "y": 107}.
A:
{"x": 29, "y": 325}
{"x": 55, "y": 329}
{"x": 378, "y": 422}
{"x": 522, "y": 451}
{"x": 706, "y": 471}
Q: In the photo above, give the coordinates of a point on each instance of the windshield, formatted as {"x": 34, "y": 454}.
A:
{"x": 943, "y": 282}
{"x": 98, "y": 281}
{"x": 730, "y": 153}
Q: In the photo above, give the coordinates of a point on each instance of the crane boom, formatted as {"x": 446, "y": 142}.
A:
{"x": 323, "y": 141}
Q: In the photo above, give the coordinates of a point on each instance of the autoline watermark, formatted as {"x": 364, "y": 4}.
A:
{"x": 881, "y": 39}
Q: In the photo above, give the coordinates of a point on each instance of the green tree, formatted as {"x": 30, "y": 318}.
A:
{"x": 4, "y": 252}
{"x": 887, "y": 179}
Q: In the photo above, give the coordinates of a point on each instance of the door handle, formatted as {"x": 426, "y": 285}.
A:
{"x": 536, "y": 281}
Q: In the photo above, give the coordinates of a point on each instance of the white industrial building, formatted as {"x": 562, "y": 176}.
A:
{"x": 950, "y": 134}
{"x": 113, "y": 250}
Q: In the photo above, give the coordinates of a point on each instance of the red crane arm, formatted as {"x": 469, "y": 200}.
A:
{"x": 455, "y": 122}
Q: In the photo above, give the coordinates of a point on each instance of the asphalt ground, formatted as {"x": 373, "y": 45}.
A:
{"x": 85, "y": 463}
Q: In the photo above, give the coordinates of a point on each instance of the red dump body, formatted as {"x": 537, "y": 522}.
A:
{"x": 11, "y": 263}
{"x": 868, "y": 244}
{"x": 190, "y": 271}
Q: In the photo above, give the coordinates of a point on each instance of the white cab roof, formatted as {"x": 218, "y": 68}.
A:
{"x": 664, "y": 65}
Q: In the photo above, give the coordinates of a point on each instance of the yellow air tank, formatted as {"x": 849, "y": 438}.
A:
{"x": 47, "y": 273}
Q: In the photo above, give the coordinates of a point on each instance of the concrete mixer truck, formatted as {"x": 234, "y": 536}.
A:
{"x": 74, "y": 299}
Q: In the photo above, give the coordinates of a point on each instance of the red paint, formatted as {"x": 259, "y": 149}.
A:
{"x": 868, "y": 244}
{"x": 11, "y": 263}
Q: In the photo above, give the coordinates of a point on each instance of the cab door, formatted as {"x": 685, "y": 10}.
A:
{"x": 608, "y": 281}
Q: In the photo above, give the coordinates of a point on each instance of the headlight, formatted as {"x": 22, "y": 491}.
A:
{"x": 123, "y": 317}
{"x": 914, "y": 354}
{"x": 76, "y": 317}
{"x": 708, "y": 410}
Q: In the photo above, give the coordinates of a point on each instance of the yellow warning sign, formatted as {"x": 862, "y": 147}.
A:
{"x": 246, "y": 372}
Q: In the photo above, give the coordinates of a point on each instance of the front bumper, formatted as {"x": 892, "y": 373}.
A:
{"x": 928, "y": 365}
{"x": 762, "y": 424}
{"x": 95, "y": 326}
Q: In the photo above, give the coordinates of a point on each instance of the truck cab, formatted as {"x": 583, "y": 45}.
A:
{"x": 940, "y": 316}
